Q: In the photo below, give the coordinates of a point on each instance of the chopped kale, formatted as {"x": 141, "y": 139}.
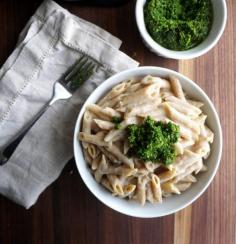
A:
{"x": 116, "y": 120}
{"x": 178, "y": 24}
{"x": 153, "y": 141}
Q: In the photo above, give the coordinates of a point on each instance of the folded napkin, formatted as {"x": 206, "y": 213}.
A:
{"x": 52, "y": 41}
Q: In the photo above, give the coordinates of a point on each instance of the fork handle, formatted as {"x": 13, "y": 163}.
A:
{"x": 12, "y": 145}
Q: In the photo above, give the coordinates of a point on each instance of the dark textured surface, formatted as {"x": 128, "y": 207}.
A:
{"x": 68, "y": 213}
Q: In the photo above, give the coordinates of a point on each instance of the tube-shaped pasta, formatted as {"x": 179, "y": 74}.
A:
{"x": 184, "y": 110}
{"x": 185, "y": 132}
{"x": 114, "y": 133}
{"x": 209, "y": 134}
{"x": 179, "y": 148}
{"x": 93, "y": 139}
{"x": 118, "y": 154}
{"x": 110, "y": 156}
{"x": 115, "y": 91}
{"x": 183, "y": 186}
{"x": 162, "y": 83}
{"x": 186, "y": 143}
{"x": 92, "y": 150}
{"x": 177, "y": 88}
{"x": 113, "y": 103}
{"x": 87, "y": 157}
{"x": 195, "y": 103}
{"x": 158, "y": 114}
{"x": 126, "y": 147}
{"x": 201, "y": 120}
{"x": 150, "y": 166}
{"x": 189, "y": 179}
{"x": 105, "y": 125}
{"x": 164, "y": 93}
{"x": 102, "y": 168}
{"x": 156, "y": 188}
{"x": 167, "y": 175}
{"x": 121, "y": 170}
{"x": 174, "y": 99}
{"x": 120, "y": 136}
{"x": 87, "y": 124}
{"x": 169, "y": 187}
{"x": 95, "y": 162}
{"x": 129, "y": 189}
{"x": 189, "y": 170}
{"x": 147, "y": 92}
{"x": 116, "y": 185}
{"x": 202, "y": 147}
{"x": 105, "y": 182}
{"x": 133, "y": 87}
{"x": 103, "y": 113}
{"x": 149, "y": 194}
{"x": 141, "y": 172}
{"x": 179, "y": 117}
{"x": 142, "y": 109}
{"x": 184, "y": 161}
{"x": 141, "y": 189}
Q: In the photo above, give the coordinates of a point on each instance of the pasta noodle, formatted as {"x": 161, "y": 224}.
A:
{"x": 106, "y": 147}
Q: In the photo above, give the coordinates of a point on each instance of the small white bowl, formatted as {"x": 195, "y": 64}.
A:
{"x": 174, "y": 203}
{"x": 217, "y": 29}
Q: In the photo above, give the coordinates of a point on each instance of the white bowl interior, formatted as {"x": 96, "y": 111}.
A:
{"x": 171, "y": 204}
{"x": 218, "y": 26}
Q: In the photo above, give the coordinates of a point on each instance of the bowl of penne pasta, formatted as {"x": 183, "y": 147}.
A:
{"x": 147, "y": 142}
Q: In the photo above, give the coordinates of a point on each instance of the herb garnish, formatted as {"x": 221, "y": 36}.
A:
{"x": 116, "y": 120}
{"x": 153, "y": 141}
{"x": 178, "y": 24}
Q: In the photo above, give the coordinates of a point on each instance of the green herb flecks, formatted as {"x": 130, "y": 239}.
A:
{"x": 178, "y": 24}
{"x": 153, "y": 141}
{"x": 116, "y": 120}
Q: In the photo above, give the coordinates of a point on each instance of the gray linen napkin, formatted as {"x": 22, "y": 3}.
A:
{"x": 52, "y": 41}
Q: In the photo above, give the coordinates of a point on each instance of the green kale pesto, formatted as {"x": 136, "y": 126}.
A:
{"x": 153, "y": 141}
{"x": 116, "y": 120}
{"x": 178, "y": 24}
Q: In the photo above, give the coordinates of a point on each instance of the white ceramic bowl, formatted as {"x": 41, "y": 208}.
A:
{"x": 217, "y": 29}
{"x": 173, "y": 203}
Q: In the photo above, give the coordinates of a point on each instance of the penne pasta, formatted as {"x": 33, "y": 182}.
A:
{"x": 87, "y": 125}
{"x": 117, "y": 90}
{"x": 177, "y": 88}
{"x": 151, "y": 167}
{"x": 92, "y": 150}
{"x": 183, "y": 103}
{"x": 178, "y": 117}
{"x": 101, "y": 169}
{"x": 104, "y": 125}
{"x": 189, "y": 170}
{"x": 170, "y": 187}
{"x": 93, "y": 139}
{"x": 156, "y": 188}
{"x": 95, "y": 162}
{"x": 129, "y": 189}
{"x": 141, "y": 189}
{"x": 115, "y": 184}
{"x": 167, "y": 175}
{"x": 195, "y": 103}
{"x": 183, "y": 186}
{"x": 118, "y": 154}
{"x": 103, "y": 113}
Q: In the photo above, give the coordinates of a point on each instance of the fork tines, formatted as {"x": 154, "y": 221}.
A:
{"x": 80, "y": 72}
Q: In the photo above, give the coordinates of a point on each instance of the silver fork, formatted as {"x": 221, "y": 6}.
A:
{"x": 62, "y": 89}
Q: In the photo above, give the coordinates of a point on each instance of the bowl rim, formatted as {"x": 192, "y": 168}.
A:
{"x": 168, "y": 53}
{"x": 218, "y": 129}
